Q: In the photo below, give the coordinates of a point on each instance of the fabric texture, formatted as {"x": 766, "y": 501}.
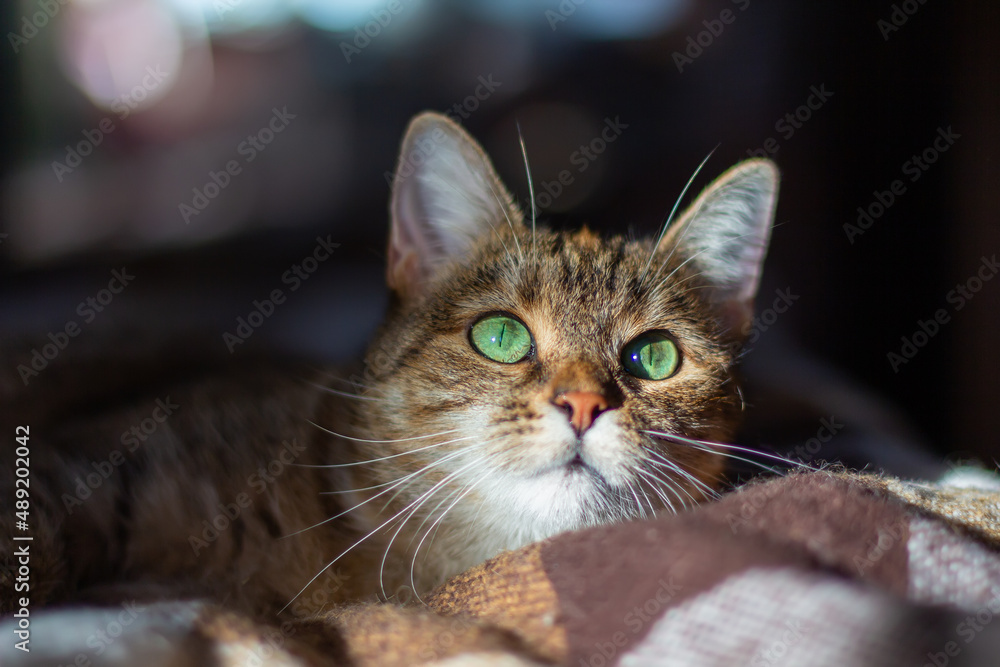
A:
{"x": 814, "y": 568}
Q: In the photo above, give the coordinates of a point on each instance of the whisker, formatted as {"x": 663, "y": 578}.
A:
{"x": 510, "y": 223}
{"x": 373, "y": 532}
{"x": 670, "y": 484}
{"x": 750, "y": 450}
{"x": 415, "y": 506}
{"x": 670, "y": 218}
{"x": 712, "y": 476}
{"x": 655, "y": 485}
{"x": 691, "y": 258}
{"x": 396, "y": 483}
{"x": 382, "y": 458}
{"x": 366, "y": 488}
{"x": 531, "y": 185}
{"x": 652, "y": 508}
{"x": 712, "y": 447}
{"x": 345, "y": 394}
{"x": 414, "y": 477}
{"x": 416, "y": 552}
{"x": 673, "y": 482}
{"x": 382, "y": 442}
{"x": 641, "y": 510}
{"x": 485, "y": 463}
{"x": 664, "y": 461}
{"x": 328, "y": 373}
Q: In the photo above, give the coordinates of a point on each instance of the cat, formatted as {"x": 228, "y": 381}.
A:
{"x": 523, "y": 383}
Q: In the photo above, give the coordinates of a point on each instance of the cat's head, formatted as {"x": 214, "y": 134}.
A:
{"x": 567, "y": 377}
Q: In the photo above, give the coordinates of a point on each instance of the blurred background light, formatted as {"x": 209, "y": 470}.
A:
{"x": 597, "y": 19}
{"x": 122, "y": 53}
{"x": 349, "y": 15}
{"x": 233, "y": 16}
{"x": 628, "y": 19}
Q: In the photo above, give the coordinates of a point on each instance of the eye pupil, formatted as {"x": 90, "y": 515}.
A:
{"x": 651, "y": 356}
{"x": 501, "y": 338}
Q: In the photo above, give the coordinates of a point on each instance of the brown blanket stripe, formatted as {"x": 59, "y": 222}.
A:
{"x": 613, "y": 582}
{"x": 844, "y": 526}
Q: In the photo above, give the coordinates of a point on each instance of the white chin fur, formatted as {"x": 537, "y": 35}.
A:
{"x": 519, "y": 508}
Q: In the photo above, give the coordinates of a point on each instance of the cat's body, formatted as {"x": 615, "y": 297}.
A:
{"x": 525, "y": 382}
{"x": 193, "y": 505}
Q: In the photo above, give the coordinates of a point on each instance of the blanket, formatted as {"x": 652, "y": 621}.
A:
{"x": 816, "y": 568}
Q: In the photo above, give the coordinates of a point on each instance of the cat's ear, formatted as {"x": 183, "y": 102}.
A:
{"x": 445, "y": 196}
{"x": 723, "y": 235}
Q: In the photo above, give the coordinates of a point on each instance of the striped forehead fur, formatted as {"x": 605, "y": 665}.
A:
{"x": 580, "y": 282}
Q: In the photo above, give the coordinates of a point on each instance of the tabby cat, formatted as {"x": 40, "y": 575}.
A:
{"x": 524, "y": 382}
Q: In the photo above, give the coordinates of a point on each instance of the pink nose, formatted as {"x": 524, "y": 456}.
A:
{"x": 584, "y": 406}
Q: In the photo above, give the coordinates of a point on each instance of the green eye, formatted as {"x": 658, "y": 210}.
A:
{"x": 651, "y": 356}
{"x": 501, "y": 338}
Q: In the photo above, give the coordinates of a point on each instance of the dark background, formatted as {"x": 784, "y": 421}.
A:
{"x": 325, "y": 173}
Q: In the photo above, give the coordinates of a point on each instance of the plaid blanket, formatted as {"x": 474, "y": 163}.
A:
{"x": 815, "y": 568}
{"x": 818, "y": 568}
